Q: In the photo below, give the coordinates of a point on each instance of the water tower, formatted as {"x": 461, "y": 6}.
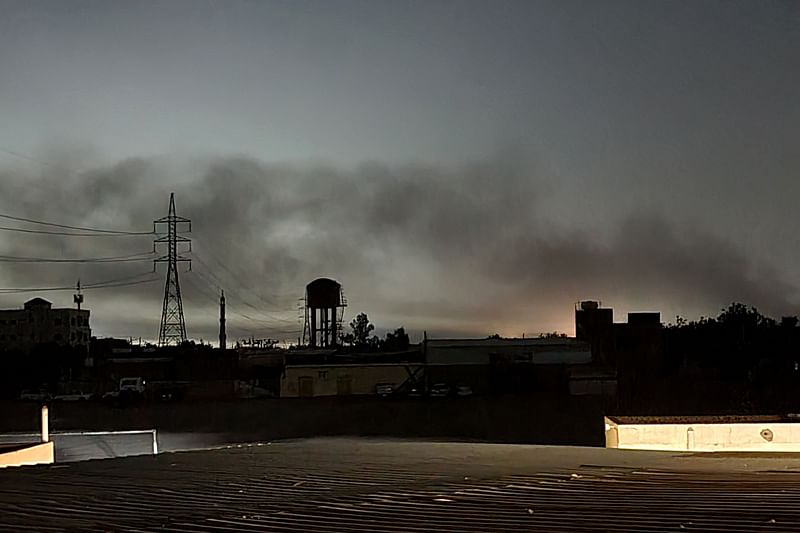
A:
{"x": 325, "y": 305}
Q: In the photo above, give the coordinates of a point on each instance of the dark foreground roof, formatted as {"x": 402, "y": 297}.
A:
{"x": 355, "y": 485}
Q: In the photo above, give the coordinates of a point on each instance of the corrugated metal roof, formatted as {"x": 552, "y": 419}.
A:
{"x": 355, "y": 485}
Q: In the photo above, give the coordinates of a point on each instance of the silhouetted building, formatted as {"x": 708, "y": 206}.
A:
{"x": 640, "y": 356}
{"x": 38, "y": 323}
{"x": 595, "y": 325}
{"x": 505, "y": 365}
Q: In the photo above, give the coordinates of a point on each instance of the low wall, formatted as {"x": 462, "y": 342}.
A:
{"x": 27, "y": 454}
{"x": 703, "y": 434}
{"x": 84, "y": 445}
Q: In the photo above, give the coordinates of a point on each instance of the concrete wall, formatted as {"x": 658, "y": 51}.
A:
{"x": 31, "y": 454}
{"x": 342, "y": 380}
{"x": 756, "y": 436}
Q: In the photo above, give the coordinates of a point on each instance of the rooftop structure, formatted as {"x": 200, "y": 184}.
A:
{"x": 347, "y": 485}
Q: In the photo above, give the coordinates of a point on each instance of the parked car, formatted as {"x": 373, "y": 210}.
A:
{"x": 73, "y": 396}
{"x": 384, "y": 389}
{"x": 464, "y": 390}
{"x": 416, "y": 391}
{"x": 132, "y": 385}
{"x": 247, "y": 390}
{"x": 110, "y": 396}
{"x": 35, "y": 396}
{"x": 440, "y": 390}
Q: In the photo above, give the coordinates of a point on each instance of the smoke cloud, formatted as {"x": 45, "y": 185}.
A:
{"x": 462, "y": 250}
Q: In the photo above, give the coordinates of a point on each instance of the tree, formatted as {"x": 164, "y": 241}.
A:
{"x": 396, "y": 341}
{"x": 361, "y": 329}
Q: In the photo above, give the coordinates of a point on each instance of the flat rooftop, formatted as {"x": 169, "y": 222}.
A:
{"x": 327, "y": 485}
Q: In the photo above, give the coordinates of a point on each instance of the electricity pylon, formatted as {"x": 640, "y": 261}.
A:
{"x": 173, "y": 327}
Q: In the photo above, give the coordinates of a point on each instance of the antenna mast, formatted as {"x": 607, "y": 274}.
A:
{"x": 77, "y": 298}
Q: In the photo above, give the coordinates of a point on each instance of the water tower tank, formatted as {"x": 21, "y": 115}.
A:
{"x": 323, "y": 301}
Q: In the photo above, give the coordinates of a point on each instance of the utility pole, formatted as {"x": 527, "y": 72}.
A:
{"x": 173, "y": 327}
{"x": 223, "y": 337}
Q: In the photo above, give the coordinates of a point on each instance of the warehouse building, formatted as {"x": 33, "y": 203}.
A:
{"x": 498, "y": 365}
{"x": 310, "y": 380}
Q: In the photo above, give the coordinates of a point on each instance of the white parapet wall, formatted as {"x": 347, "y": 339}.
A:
{"x": 26, "y": 454}
{"x": 703, "y": 434}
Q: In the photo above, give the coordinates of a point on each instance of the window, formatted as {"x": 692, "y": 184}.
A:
{"x": 72, "y": 321}
{"x": 322, "y": 374}
{"x": 12, "y": 322}
{"x": 57, "y": 321}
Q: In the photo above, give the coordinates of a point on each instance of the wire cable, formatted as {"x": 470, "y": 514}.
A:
{"x": 116, "y": 282}
{"x": 72, "y": 288}
{"x": 80, "y": 228}
{"x": 71, "y": 234}
{"x": 143, "y": 256}
{"x": 221, "y": 284}
{"x": 264, "y": 324}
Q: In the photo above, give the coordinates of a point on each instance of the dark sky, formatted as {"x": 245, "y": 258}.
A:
{"x": 463, "y": 167}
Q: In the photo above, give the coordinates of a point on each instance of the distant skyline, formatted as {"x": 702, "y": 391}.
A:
{"x": 465, "y": 167}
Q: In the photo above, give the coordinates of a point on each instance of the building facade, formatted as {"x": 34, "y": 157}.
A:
{"x": 497, "y": 365}
{"x": 38, "y": 323}
{"x": 307, "y": 381}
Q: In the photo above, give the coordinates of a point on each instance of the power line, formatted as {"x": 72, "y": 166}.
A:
{"x": 204, "y": 309}
{"x": 117, "y": 280}
{"x": 221, "y": 284}
{"x": 237, "y": 276}
{"x": 71, "y": 234}
{"x": 26, "y": 157}
{"x": 80, "y": 228}
{"x": 143, "y": 256}
{"x": 269, "y": 325}
{"x": 238, "y": 297}
{"x": 128, "y": 284}
{"x": 99, "y": 285}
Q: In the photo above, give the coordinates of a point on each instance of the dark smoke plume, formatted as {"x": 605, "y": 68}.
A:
{"x": 456, "y": 251}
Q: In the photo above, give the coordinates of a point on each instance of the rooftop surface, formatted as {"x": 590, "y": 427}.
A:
{"x": 327, "y": 485}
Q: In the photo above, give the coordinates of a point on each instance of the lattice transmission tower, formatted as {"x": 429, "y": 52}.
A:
{"x": 173, "y": 327}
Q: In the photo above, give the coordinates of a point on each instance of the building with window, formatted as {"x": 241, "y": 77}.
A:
{"x": 38, "y": 323}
